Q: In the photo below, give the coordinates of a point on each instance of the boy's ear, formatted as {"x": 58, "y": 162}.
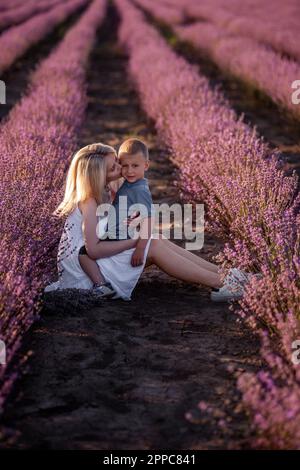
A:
{"x": 147, "y": 165}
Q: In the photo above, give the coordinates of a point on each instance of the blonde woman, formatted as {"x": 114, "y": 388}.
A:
{"x": 93, "y": 178}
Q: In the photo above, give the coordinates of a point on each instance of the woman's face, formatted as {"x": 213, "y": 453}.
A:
{"x": 113, "y": 168}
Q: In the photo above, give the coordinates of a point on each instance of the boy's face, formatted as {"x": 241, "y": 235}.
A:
{"x": 133, "y": 166}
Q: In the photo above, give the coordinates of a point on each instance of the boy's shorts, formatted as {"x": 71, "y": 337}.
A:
{"x": 83, "y": 251}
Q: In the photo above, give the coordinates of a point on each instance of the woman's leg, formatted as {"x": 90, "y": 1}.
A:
{"x": 180, "y": 267}
{"x": 188, "y": 255}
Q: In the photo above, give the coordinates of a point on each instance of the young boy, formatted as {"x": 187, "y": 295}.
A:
{"x": 134, "y": 159}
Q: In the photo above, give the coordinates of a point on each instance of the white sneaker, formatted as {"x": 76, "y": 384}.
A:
{"x": 243, "y": 276}
{"x": 225, "y": 294}
{"x": 233, "y": 287}
{"x": 104, "y": 291}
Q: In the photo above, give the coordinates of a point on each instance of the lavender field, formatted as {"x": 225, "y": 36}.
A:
{"x": 213, "y": 88}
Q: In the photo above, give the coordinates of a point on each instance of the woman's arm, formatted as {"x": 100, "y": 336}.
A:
{"x": 146, "y": 228}
{"x": 96, "y": 248}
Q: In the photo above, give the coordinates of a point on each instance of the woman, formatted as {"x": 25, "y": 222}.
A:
{"x": 93, "y": 178}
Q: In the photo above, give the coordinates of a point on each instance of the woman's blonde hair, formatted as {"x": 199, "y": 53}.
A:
{"x": 86, "y": 177}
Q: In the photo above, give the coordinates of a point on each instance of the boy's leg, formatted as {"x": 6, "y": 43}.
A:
{"x": 91, "y": 269}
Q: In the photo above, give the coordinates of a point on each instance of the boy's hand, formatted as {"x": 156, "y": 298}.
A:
{"x": 134, "y": 220}
{"x": 137, "y": 258}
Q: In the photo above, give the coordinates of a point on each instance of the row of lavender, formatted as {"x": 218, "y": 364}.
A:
{"x": 251, "y": 204}
{"x": 4, "y": 5}
{"x": 23, "y": 12}
{"x": 243, "y": 57}
{"x": 18, "y": 39}
{"x": 36, "y": 144}
{"x": 271, "y": 22}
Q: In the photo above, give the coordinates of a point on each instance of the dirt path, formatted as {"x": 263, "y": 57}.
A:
{"x": 123, "y": 375}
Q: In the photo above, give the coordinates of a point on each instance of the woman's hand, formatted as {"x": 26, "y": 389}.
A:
{"x": 137, "y": 258}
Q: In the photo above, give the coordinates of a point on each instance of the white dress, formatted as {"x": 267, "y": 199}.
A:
{"x": 116, "y": 269}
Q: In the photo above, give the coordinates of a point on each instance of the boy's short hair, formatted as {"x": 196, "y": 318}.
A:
{"x": 133, "y": 146}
